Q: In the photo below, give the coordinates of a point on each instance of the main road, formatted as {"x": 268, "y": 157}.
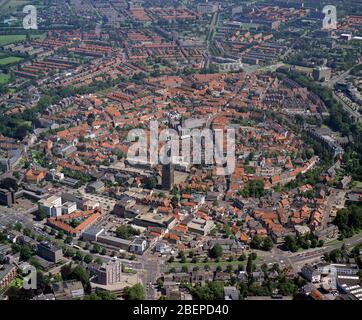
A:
{"x": 205, "y": 63}
{"x": 153, "y": 267}
{"x": 297, "y": 260}
{"x": 330, "y": 84}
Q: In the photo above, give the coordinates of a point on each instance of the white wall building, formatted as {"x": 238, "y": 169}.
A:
{"x": 52, "y": 206}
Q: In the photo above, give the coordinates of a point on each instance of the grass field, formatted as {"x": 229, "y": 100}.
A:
{"x": 9, "y": 60}
{"x": 358, "y": 184}
{"x": 7, "y": 39}
{"x": 4, "y": 78}
{"x": 12, "y": 38}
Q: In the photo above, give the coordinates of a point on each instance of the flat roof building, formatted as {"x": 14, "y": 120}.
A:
{"x": 110, "y": 273}
{"x": 49, "y": 252}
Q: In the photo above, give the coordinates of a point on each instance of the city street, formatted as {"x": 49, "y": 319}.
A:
{"x": 153, "y": 267}
{"x": 298, "y": 259}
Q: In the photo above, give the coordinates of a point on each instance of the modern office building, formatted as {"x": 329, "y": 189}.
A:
{"x": 52, "y": 206}
{"x": 49, "y": 252}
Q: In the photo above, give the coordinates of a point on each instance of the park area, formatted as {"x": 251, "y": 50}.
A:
{"x": 6, "y": 39}
{"x": 9, "y": 60}
{"x": 11, "y": 38}
{"x": 4, "y": 78}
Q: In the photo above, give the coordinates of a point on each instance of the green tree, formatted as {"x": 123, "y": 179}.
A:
{"x": 254, "y": 188}
{"x": 25, "y": 252}
{"x": 2, "y": 237}
{"x": 60, "y": 235}
{"x": 242, "y": 257}
{"x": 216, "y": 251}
{"x": 291, "y": 243}
{"x": 79, "y": 256}
{"x": 136, "y": 292}
{"x": 151, "y": 183}
{"x": 101, "y": 295}
{"x": 253, "y": 256}
{"x": 69, "y": 252}
{"x": 96, "y": 248}
{"x": 174, "y": 201}
{"x": 320, "y": 243}
{"x": 211, "y": 291}
{"x": 287, "y": 287}
{"x": 80, "y": 274}
{"x": 26, "y": 232}
{"x": 125, "y": 232}
{"x": 18, "y": 226}
{"x": 159, "y": 283}
{"x": 267, "y": 244}
{"x": 249, "y": 265}
{"x": 41, "y": 215}
{"x": 68, "y": 239}
{"x": 43, "y": 282}
{"x": 256, "y": 242}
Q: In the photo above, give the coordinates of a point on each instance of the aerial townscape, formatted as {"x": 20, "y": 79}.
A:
{"x": 81, "y": 220}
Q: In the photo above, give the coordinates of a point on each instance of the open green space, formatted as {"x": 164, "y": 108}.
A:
{"x": 11, "y": 38}
{"x": 9, "y": 60}
{"x": 333, "y": 242}
{"x": 357, "y": 184}
{"x": 17, "y": 282}
{"x": 4, "y": 78}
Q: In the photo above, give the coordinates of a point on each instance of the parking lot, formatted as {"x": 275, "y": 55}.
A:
{"x": 9, "y": 217}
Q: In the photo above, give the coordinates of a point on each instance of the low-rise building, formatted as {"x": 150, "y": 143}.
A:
{"x": 68, "y": 290}
{"x": 200, "y": 226}
{"x": 311, "y": 274}
{"x": 95, "y": 187}
{"x": 329, "y": 233}
{"x": 69, "y": 207}
{"x": 231, "y": 293}
{"x": 92, "y": 234}
{"x": 138, "y": 245}
{"x": 7, "y": 274}
{"x": 119, "y": 243}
